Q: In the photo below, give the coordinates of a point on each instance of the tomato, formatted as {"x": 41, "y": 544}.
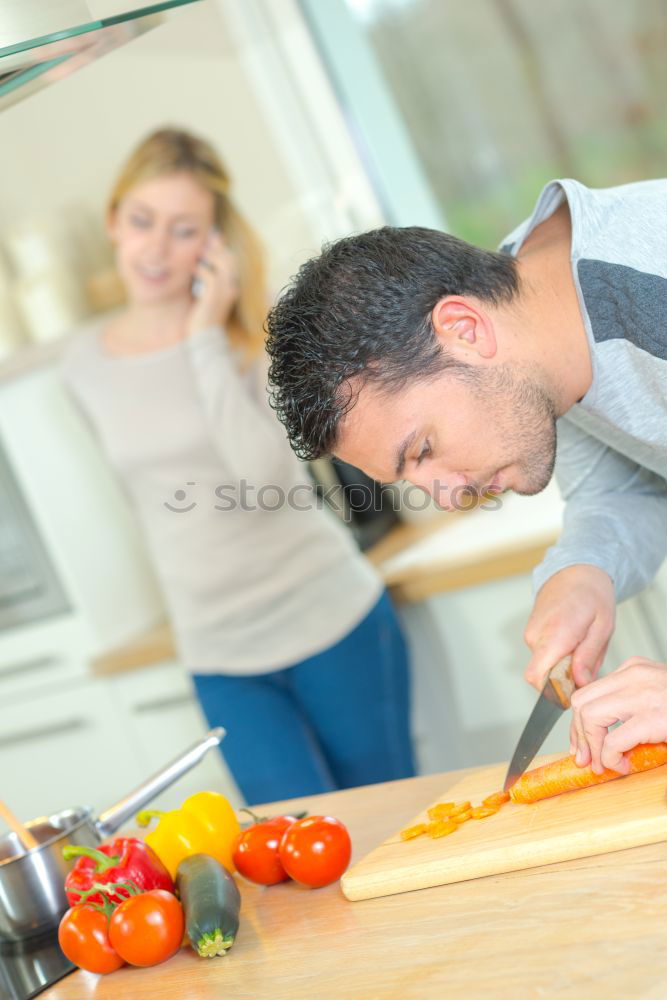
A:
{"x": 315, "y": 851}
{"x": 256, "y": 851}
{"x": 83, "y": 936}
{"x": 148, "y": 928}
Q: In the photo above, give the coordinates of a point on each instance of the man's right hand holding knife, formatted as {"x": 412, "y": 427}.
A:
{"x": 574, "y": 613}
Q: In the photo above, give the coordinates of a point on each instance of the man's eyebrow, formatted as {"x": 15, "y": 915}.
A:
{"x": 401, "y": 452}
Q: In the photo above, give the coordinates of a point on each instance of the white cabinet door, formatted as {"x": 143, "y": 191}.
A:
{"x": 94, "y": 742}
{"x": 62, "y": 750}
{"x": 163, "y": 719}
{"x": 41, "y": 656}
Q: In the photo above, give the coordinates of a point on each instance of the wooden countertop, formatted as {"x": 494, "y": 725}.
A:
{"x": 589, "y": 929}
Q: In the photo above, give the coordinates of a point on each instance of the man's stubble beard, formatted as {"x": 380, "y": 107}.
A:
{"x": 539, "y": 464}
{"x": 538, "y": 444}
{"x": 530, "y": 426}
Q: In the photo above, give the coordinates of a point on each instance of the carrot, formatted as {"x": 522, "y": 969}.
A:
{"x": 459, "y": 808}
{"x": 441, "y": 810}
{"x": 496, "y": 800}
{"x": 440, "y": 828}
{"x": 447, "y": 817}
{"x": 482, "y": 812}
{"x": 414, "y": 831}
{"x": 564, "y": 775}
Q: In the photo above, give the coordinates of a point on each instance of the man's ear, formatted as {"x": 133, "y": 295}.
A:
{"x": 463, "y": 327}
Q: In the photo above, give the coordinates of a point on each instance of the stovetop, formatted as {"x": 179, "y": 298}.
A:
{"x": 28, "y": 967}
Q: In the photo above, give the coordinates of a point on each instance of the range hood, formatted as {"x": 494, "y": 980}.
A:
{"x": 43, "y": 40}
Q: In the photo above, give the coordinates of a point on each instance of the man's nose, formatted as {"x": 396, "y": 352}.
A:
{"x": 442, "y": 486}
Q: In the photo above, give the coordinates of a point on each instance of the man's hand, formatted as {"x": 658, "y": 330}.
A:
{"x": 636, "y": 695}
{"x": 574, "y": 613}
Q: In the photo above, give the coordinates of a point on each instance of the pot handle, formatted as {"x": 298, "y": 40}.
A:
{"x": 117, "y": 814}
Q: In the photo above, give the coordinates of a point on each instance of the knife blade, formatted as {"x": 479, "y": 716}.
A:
{"x": 554, "y": 699}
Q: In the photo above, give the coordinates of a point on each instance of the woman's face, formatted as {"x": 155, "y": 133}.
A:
{"x": 159, "y": 230}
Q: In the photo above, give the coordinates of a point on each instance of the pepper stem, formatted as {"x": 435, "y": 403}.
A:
{"x": 102, "y": 861}
{"x": 146, "y": 815}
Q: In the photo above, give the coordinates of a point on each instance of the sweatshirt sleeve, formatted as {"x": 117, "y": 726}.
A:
{"x": 615, "y": 513}
{"x": 246, "y": 432}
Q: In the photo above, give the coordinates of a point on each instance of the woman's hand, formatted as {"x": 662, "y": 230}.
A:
{"x": 574, "y": 614}
{"x": 636, "y": 695}
{"x": 218, "y": 280}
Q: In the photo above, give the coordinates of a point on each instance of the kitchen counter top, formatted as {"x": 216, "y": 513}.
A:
{"x": 589, "y": 929}
{"x": 469, "y": 549}
{"x": 417, "y": 561}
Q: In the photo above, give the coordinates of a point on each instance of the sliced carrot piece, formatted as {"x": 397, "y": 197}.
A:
{"x": 414, "y": 831}
{"x": 441, "y": 828}
{"x": 462, "y": 817}
{"x": 461, "y": 807}
{"x": 496, "y": 800}
{"x": 441, "y": 810}
{"x": 481, "y": 812}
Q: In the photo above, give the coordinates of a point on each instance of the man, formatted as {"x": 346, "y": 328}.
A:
{"x": 414, "y": 355}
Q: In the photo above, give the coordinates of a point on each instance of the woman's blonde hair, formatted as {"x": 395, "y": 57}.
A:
{"x": 172, "y": 150}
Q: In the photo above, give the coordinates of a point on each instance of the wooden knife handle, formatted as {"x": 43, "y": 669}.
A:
{"x": 562, "y": 681}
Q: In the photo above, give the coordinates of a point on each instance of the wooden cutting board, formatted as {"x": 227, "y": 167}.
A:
{"x": 627, "y": 812}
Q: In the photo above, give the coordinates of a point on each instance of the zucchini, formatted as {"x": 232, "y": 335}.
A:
{"x": 212, "y": 903}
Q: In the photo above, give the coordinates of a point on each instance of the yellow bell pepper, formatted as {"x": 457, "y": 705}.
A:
{"x": 204, "y": 824}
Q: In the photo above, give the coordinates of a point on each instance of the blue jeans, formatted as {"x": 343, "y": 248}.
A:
{"x": 335, "y": 720}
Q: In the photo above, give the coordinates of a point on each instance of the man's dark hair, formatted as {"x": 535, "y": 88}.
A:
{"x": 362, "y": 310}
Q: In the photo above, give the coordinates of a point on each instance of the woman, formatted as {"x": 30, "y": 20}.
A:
{"x": 291, "y": 643}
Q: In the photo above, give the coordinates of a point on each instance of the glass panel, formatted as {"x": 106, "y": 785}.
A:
{"x": 500, "y": 96}
{"x": 30, "y": 63}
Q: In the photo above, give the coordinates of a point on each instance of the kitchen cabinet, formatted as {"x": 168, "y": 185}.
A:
{"x": 40, "y": 657}
{"x": 90, "y": 742}
{"x": 163, "y": 717}
{"x": 64, "y": 748}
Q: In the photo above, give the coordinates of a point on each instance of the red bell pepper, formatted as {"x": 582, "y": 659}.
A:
{"x": 125, "y": 859}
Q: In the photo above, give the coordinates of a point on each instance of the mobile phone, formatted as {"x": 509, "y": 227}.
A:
{"x": 197, "y": 285}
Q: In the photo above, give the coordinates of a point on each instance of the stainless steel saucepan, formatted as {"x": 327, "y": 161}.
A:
{"x": 32, "y": 896}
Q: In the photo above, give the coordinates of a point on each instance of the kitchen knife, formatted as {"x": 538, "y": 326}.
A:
{"x": 553, "y": 701}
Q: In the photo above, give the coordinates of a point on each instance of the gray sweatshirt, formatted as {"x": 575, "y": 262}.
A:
{"x": 257, "y": 572}
{"x": 611, "y": 463}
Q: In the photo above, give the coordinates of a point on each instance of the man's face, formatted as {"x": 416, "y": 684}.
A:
{"x": 491, "y": 431}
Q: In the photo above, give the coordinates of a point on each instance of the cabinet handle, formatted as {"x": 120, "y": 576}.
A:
{"x": 159, "y": 704}
{"x": 28, "y": 666}
{"x": 44, "y": 732}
